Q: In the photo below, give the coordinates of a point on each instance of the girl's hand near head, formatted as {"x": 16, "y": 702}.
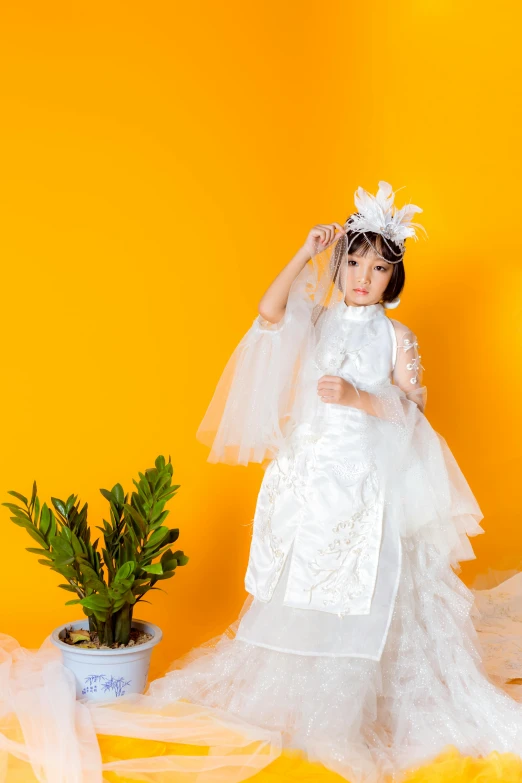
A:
{"x": 273, "y": 302}
{"x": 321, "y": 236}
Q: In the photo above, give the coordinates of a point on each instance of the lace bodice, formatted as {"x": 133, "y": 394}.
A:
{"x": 366, "y": 347}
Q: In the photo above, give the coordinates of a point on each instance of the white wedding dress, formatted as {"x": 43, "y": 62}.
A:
{"x": 358, "y": 644}
{"x": 385, "y": 670}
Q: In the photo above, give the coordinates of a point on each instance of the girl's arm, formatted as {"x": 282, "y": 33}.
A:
{"x": 408, "y": 370}
{"x": 407, "y": 375}
{"x": 273, "y": 302}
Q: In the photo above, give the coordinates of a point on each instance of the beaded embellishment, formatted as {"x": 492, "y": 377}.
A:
{"x": 415, "y": 363}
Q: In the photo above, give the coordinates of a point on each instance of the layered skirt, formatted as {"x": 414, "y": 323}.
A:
{"x": 367, "y": 693}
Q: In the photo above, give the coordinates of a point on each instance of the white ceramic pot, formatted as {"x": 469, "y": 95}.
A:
{"x": 102, "y": 675}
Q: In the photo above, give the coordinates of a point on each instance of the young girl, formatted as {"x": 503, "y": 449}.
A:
{"x": 355, "y": 645}
{"x": 356, "y": 642}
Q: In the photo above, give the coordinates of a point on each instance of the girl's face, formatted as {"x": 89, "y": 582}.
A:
{"x": 365, "y": 278}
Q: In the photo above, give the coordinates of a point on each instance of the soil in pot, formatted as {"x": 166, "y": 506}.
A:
{"x": 89, "y": 639}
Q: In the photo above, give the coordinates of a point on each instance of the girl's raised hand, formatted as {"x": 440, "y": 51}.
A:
{"x": 321, "y": 236}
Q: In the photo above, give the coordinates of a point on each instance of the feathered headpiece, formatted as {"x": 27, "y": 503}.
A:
{"x": 269, "y": 383}
{"x": 378, "y": 214}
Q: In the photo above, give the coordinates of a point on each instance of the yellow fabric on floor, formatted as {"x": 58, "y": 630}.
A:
{"x": 449, "y": 767}
{"x": 291, "y": 766}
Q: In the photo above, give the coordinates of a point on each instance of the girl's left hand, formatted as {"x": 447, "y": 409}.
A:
{"x": 332, "y": 388}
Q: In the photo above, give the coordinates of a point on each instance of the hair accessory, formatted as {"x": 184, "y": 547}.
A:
{"x": 378, "y": 214}
{"x": 393, "y": 304}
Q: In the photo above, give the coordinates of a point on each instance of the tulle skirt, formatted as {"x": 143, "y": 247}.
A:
{"x": 238, "y": 705}
{"x": 361, "y": 718}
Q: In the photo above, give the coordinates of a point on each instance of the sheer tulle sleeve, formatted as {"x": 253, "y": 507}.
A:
{"x": 408, "y": 370}
{"x": 250, "y": 410}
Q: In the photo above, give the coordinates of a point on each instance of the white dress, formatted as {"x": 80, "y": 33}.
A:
{"x": 356, "y": 642}
{"x": 324, "y": 564}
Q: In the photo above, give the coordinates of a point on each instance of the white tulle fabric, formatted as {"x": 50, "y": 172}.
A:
{"x": 48, "y": 736}
{"x": 364, "y": 718}
{"x": 267, "y": 387}
{"x": 268, "y": 393}
{"x": 360, "y": 718}
{"x": 379, "y": 671}
{"x": 343, "y": 488}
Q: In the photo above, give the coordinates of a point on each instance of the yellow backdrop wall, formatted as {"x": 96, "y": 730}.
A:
{"x": 161, "y": 157}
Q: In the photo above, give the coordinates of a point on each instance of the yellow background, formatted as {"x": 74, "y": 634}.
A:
{"x": 164, "y": 161}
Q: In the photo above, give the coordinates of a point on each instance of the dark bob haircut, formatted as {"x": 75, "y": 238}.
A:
{"x": 360, "y": 245}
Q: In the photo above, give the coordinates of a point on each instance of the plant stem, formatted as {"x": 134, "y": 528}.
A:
{"x": 122, "y": 624}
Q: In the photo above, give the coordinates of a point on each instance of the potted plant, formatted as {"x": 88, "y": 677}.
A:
{"x": 108, "y": 651}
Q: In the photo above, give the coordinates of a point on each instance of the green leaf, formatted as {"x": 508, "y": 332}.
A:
{"x": 137, "y": 518}
{"x": 16, "y": 495}
{"x": 118, "y": 494}
{"x": 67, "y": 572}
{"x": 163, "y": 484}
{"x": 17, "y": 510}
{"x": 59, "y": 562}
{"x": 180, "y": 555}
{"x": 154, "y": 568}
{"x": 125, "y": 571}
{"x": 37, "y": 537}
{"x": 33, "y": 494}
{"x": 91, "y": 578}
{"x": 152, "y": 476}
{"x": 107, "y": 559}
{"x": 159, "y": 521}
{"x": 106, "y": 494}
{"x": 143, "y": 488}
{"x": 142, "y": 589}
{"x": 160, "y": 462}
{"x": 74, "y": 601}
{"x": 36, "y": 510}
{"x": 157, "y": 509}
{"x": 59, "y": 506}
{"x": 20, "y": 522}
{"x": 166, "y": 575}
{"x": 37, "y": 551}
{"x": 70, "y": 502}
{"x": 98, "y": 603}
{"x": 60, "y": 543}
{"x": 52, "y": 529}
{"x": 45, "y": 520}
{"x": 69, "y": 588}
{"x": 168, "y": 560}
{"x": 167, "y": 495}
{"x": 157, "y": 537}
{"x": 76, "y": 545}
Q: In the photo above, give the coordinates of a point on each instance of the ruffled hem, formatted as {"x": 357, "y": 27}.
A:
{"x": 241, "y": 704}
{"x": 361, "y": 718}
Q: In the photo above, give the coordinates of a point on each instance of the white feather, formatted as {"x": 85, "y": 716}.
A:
{"x": 378, "y": 214}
